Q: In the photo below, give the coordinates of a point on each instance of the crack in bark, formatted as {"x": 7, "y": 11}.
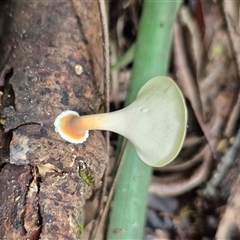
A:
{"x": 40, "y": 218}
{"x": 7, "y": 99}
{"x": 24, "y": 124}
{"x": 31, "y": 217}
{"x": 8, "y": 96}
{"x": 22, "y": 228}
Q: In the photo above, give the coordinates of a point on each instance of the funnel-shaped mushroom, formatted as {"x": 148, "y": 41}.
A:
{"x": 155, "y": 122}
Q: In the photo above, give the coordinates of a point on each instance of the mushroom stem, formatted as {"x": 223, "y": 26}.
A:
{"x": 102, "y": 121}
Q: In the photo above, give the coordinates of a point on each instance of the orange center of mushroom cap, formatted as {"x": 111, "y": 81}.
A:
{"x": 65, "y": 125}
{"x": 74, "y": 128}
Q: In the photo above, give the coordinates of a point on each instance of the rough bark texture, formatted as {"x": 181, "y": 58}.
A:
{"x": 44, "y": 181}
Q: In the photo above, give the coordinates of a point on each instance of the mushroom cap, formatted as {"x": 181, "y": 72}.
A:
{"x": 61, "y": 125}
{"x": 156, "y": 121}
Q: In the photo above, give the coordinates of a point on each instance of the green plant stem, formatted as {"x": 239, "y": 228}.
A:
{"x": 151, "y": 59}
{"x": 125, "y": 59}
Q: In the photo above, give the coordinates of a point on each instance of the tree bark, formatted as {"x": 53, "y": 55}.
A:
{"x": 51, "y": 59}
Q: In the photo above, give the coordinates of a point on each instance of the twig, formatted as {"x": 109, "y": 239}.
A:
{"x": 188, "y": 82}
{"x": 192, "y": 26}
{"x": 233, "y": 120}
{"x": 230, "y": 219}
{"x": 184, "y": 166}
{"x": 223, "y": 166}
{"x": 106, "y": 62}
{"x": 103, "y": 214}
{"x": 184, "y": 186}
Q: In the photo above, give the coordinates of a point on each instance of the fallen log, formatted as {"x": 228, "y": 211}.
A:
{"x": 51, "y": 60}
